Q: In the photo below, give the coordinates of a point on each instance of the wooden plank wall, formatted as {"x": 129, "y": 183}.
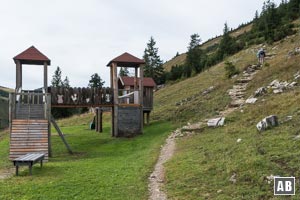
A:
{"x": 81, "y": 96}
{"x": 28, "y": 136}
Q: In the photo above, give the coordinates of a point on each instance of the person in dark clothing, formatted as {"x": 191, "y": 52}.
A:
{"x": 261, "y": 54}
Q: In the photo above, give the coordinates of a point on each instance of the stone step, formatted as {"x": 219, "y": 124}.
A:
{"x": 237, "y": 103}
{"x": 243, "y": 80}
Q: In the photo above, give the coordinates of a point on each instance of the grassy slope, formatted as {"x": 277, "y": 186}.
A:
{"x": 102, "y": 167}
{"x": 204, "y": 162}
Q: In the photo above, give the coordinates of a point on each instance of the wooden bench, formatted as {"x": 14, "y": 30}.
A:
{"x": 29, "y": 159}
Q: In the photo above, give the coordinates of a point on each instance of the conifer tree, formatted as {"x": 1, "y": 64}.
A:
{"x": 153, "y": 64}
{"x": 227, "y": 44}
{"x": 195, "y": 60}
{"x": 56, "y": 78}
{"x": 96, "y": 81}
{"x": 123, "y": 71}
{"x": 66, "y": 82}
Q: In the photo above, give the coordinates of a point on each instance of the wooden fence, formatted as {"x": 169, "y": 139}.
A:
{"x": 89, "y": 97}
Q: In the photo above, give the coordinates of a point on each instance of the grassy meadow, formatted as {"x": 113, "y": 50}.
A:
{"x": 102, "y": 167}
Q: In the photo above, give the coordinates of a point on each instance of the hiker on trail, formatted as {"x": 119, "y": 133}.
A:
{"x": 261, "y": 54}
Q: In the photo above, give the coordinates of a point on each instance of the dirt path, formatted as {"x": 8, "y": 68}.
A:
{"x": 6, "y": 173}
{"x": 157, "y": 177}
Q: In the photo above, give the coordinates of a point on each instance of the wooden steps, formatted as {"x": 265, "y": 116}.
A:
{"x": 28, "y": 136}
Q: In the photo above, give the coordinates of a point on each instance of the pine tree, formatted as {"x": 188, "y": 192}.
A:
{"x": 123, "y": 71}
{"x": 56, "y": 78}
{"x": 195, "y": 60}
{"x": 66, "y": 82}
{"x": 153, "y": 64}
{"x": 96, "y": 81}
{"x": 227, "y": 44}
{"x": 293, "y": 9}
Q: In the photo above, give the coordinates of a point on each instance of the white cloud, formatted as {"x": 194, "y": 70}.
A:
{"x": 83, "y": 36}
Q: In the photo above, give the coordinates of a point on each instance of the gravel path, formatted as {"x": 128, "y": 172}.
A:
{"x": 157, "y": 178}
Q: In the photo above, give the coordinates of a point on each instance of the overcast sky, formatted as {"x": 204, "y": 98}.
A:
{"x": 82, "y": 36}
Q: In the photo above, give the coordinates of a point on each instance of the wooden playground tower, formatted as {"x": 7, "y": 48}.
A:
{"x": 30, "y": 111}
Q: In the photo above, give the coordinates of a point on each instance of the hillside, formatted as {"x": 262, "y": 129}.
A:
{"x": 206, "y": 161}
{"x": 179, "y": 60}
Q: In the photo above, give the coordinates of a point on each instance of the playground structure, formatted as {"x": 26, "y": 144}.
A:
{"x": 30, "y": 111}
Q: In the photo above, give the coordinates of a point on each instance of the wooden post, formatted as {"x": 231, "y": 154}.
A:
{"x": 141, "y": 94}
{"x": 45, "y": 77}
{"x": 10, "y": 110}
{"x": 113, "y": 108}
{"x": 48, "y": 117}
{"x": 18, "y": 75}
{"x": 135, "y": 78}
{"x": 148, "y": 117}
{"x": 98, "y": 121}
{"x": 116, "y": 100}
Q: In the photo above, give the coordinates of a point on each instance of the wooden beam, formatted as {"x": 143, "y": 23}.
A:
{"x": 45, "y": 76}
{"x": 141, "y": 94}
{"x": 61, "y": 135}
{"x": 48, "y": 117}
{"x": 18, "y": 75}
{"x": 116, "y": 99}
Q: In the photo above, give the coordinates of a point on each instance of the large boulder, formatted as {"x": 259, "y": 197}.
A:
{"x": 216, "y": 122}
{"x": 267, "y": 123}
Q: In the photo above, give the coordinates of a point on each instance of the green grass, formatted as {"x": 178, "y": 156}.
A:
{"x": 101, "y": 168}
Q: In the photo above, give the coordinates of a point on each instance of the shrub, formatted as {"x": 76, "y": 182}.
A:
{"x": 230, "y": 69}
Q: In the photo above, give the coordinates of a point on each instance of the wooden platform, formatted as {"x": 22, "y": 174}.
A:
{"x": 28, "y": 136}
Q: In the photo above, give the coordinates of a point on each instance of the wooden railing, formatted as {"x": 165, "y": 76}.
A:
{"x": 81, "y": 97}
{"x": 29, "y": 105}
{"x": 128, "y": 96}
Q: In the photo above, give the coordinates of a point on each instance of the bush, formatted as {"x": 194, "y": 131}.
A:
{"x": 230, "y": 69}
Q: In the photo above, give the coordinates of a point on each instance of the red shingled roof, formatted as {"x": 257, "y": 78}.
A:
{"x": 32, "y": 56}
{"x": 129, "y": 81}
{"x": 126, "y": 60}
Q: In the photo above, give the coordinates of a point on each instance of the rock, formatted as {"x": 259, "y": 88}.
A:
{"x": 234, "y": 76}
{"x": 237, "y": 103}
{"x": 277, "y": 91}
{"x": 219, "y": 191}
{"x": 292, "y": 84}
{"x": 267, "y": 122}
{"x": 251, "y": 100}
{"x": 216, "y": 122}
{"x": 239, "y": 140}
{"x": 297, "y": 75}
{"x": 208, "y": 90}
{"x": 274, "y": 83}
{"x": 243, "y": 80}
{"x": 288, "y": 118}
{"x": 193, "y": 127}
{"x": 270, "y": 178}
{"x": 260, "y": 91}
{"x": 233, "y": 178}
{"x": 297, "y": 137}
